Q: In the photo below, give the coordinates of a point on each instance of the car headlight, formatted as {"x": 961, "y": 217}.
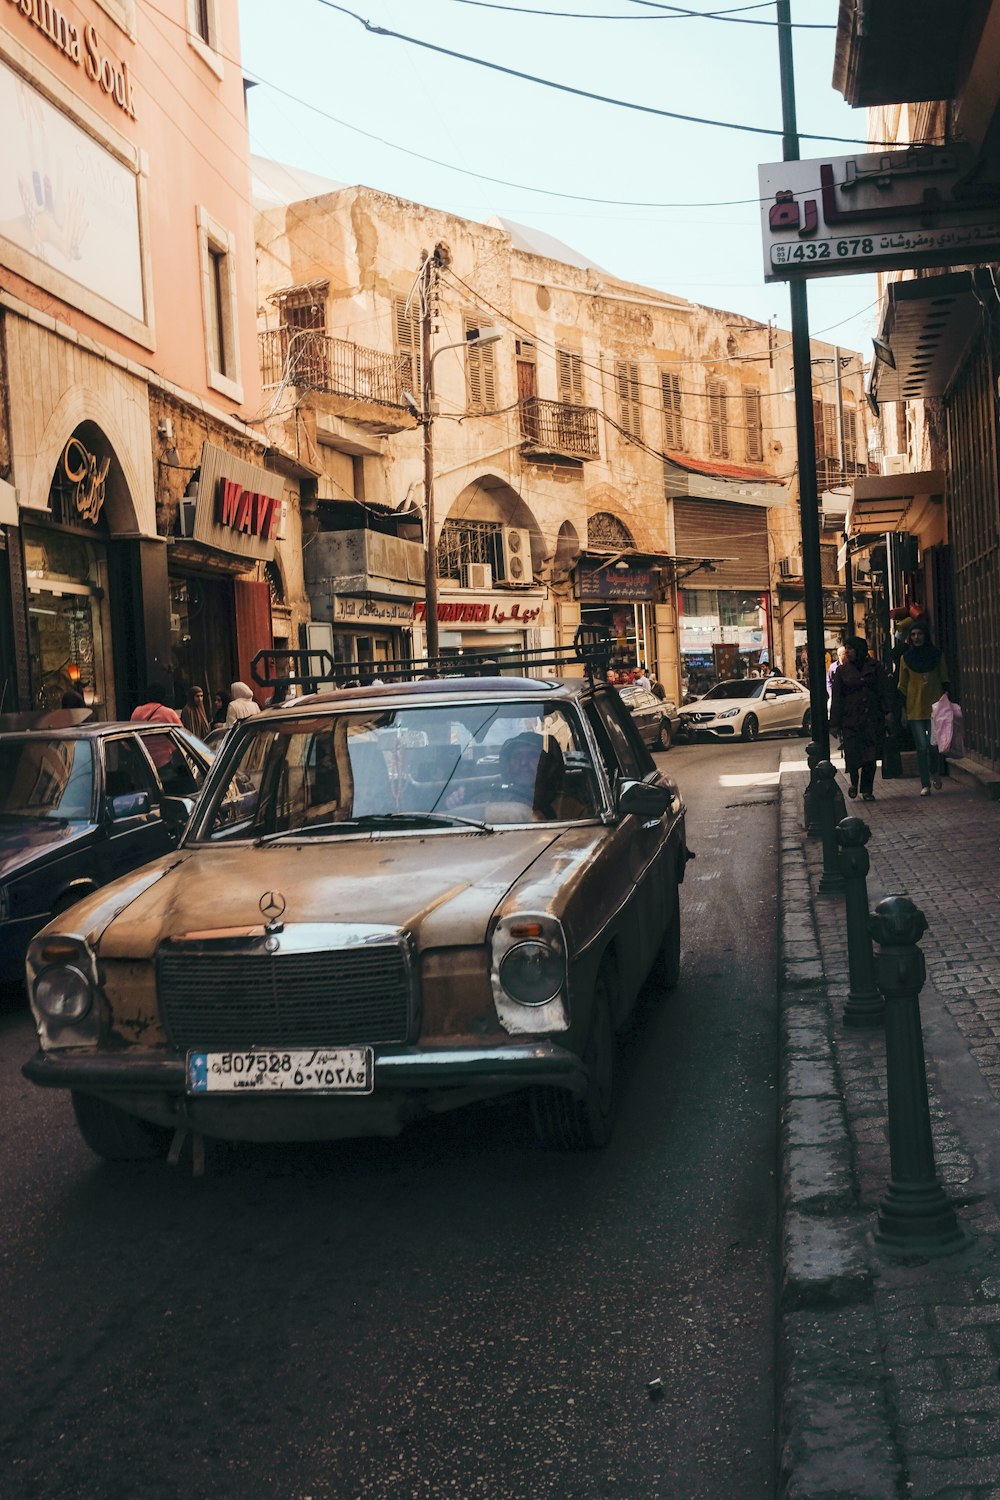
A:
{"x": 63, "y": 994}
{"x": 532, "y": 973}
{"x": 730, "y": 713}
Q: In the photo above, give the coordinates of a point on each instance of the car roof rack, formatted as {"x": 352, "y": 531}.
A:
{"x": 312, "y": 668}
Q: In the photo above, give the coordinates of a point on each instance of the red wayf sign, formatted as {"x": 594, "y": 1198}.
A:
{"x": 246, "y": 510}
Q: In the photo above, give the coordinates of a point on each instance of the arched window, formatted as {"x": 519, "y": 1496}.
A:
{"x": 605, "y": 530}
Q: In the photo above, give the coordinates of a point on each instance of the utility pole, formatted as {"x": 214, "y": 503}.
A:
{"x": 842, "y": 432}
{"x": 805, "y": 436}
{"x": 428, "y": 295}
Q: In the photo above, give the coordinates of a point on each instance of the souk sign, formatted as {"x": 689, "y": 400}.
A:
{"x": 890, "y": 210}
{"x": 84, "y": 48}
{"x": 239, "y": 505}
{"x": 479, "y": 612}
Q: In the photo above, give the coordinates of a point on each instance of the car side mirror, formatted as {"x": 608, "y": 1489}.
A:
{"x": 176, "y": 812}
{"x": 643, "y": 798}
{"x": 130, "y": 805}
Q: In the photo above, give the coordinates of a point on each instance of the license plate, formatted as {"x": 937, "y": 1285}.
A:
{"x": 302, "y": 1070}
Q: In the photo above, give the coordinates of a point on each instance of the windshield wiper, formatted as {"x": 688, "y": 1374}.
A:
{"x": 376, "y": 820}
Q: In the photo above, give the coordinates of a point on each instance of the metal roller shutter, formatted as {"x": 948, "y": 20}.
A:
{"x": 721, "y": 528}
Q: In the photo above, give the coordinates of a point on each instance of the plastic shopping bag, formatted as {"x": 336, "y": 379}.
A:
{"x": 946, "y": 727}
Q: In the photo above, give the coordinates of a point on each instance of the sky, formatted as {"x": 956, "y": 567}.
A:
{"x": 679, "y": 210}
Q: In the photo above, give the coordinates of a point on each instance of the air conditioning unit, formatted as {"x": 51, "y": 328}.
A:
{"x": 515, "y": 544}
{"x": 790, "y": 567}
{"x": 894, "y": 463}
{"x": 477, "y": 576}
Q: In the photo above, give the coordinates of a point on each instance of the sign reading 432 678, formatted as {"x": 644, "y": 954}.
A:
{"x": 889, "y": 210}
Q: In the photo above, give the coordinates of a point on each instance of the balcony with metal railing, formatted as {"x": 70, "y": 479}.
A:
{"x": 354, "y": 376}
{"x": 557, "y": 429}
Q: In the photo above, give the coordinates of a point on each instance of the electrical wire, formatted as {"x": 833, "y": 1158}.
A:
{"x": 566, "y": 88}
{"x": 573, "y": 15}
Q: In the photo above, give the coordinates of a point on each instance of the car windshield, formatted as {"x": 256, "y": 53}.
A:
{"x": 46, "y": 778}
{"x": 360, "y": 769}
{"x": 736, "y": 689}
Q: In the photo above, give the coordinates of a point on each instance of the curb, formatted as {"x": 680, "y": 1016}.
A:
{"x": 834, "y": 1432}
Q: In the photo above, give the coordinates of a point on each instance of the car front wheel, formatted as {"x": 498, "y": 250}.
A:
{"x": 751, "y": 729}
{"x": 115, "y": 1135}
{"x": 666, "y": 735}
{"x": 585, "y": 1124}
{"x": 806, "y": 725}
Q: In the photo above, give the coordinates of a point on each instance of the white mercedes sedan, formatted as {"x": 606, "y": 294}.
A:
{"x": 747, "y": 707}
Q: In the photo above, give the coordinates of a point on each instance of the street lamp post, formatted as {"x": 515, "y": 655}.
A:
{"x": 476, "y": 339}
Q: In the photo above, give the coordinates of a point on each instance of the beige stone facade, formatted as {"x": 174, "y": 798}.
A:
{"x": 641, "y": 447}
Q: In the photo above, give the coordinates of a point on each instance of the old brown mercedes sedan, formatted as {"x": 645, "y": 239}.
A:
{"x": 388, "y": 902}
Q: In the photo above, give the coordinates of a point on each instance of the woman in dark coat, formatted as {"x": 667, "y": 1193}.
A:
{"x": 861, "y": 701}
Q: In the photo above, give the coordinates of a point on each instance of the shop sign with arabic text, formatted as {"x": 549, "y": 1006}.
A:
{"x": 603, "y": 581}
{"x": 891, "y": 210}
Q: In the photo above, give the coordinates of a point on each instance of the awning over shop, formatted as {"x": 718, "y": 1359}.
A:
{"x": 926, "y": 329}
{"x": 698, "y": 480}
{"x": 894, "y": 502}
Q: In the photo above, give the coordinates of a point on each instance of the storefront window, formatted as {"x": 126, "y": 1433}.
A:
{"x": 723, "y": 635}
{"x": 68, "y": 630}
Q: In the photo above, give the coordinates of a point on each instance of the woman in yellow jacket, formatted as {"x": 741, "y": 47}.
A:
{"x": 923, "y": 678}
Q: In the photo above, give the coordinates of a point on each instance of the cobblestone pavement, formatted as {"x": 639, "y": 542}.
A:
{"x": 890, "y": 1368}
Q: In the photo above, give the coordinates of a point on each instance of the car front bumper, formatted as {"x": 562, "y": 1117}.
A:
{"x": 524, "y": 1063}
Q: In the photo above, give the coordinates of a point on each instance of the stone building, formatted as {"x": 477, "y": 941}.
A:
{"x": 141, "y": 511}
{"x": 616, "y": 456}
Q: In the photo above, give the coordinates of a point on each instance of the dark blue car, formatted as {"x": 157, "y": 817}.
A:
{"x": 78, "y": 807}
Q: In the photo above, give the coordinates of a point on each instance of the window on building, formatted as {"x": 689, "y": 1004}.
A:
{"x": 218, "y": 296}
{"x": 480, "y": 367}
{"x": 718, "y": 416}
{"x": 464, "y": 544}
{"x": 673, "y": 426}
{"x": 629, "y": 397}
{"x": 753, "y": 424}
{"x": 204, "y": 32}
{"x": 827, "y": 444}
{"x": 406, "y": 330}
{"x": 569, "y": 377}
{"x": 303, "y": 320}
{"x": 850, "y": 439}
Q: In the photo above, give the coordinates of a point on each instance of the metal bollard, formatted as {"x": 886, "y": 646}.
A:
{"x": 810, "y": 811}
{"x": 865, "y": 1006}
{"x": 915, "y": 1215}
{"x": 824, "y": 795}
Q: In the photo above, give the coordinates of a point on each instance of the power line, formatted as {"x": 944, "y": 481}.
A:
{"x": 679, "y": 14}
{"x": 680, "y": 11}
{"x": 566, "y": 88}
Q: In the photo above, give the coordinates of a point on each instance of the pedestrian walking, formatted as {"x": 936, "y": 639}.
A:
{"x": 838, "y": 661}
{"x": 860, "y": 706}
{"x": 242, "y": 704}
{"x": 923, "y": 679}
{"x": 193, "y": 715}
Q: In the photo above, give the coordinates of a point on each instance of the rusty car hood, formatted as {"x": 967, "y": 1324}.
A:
{"x": 443, "y": 888}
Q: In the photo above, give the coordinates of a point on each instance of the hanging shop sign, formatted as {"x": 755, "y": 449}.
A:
{"x": 87, "y": 474}
{"x": 487, "y": 613}
{"x": 239, "y": 505}
{"x": 890, "y": 210}
{"x": 599, "y": 579}
{"x": 369, "y": 611}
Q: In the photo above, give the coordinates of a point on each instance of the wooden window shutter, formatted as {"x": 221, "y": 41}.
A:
{"x": 718, "y": 418}
{"x": 569, "y": 377}
{"x": 818, "y": 433}
{"x": 754, "y": 427}
{"x": 831, "y": 447}
{"x": 480, "y": 368}
{"x": 673, "y": 427}
{"x": 629, "y": 403}
{"x": 850, "y": 437}
{"x": 406, "y": 321}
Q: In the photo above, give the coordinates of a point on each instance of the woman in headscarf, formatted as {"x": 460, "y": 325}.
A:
{"x": 242, "y": 704}
{"x": 923, "y": 679}
{"x": 860, "y": 705}
{"x": 193, "y": 715}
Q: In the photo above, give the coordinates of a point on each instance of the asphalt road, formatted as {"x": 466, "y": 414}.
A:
{"x": 454, "y": 1313}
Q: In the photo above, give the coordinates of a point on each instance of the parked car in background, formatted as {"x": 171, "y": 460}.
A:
{"x": 747, "y": 707}
{"x": 389, "y": 902}
{"x": 78, "y": 807}
{"x": 655, "y": 718}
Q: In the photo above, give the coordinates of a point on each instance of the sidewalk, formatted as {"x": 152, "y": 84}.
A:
{"x": 889, "y": 1371}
